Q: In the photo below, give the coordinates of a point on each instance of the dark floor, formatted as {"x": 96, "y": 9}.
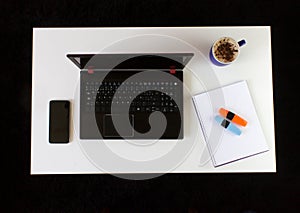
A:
{"x": 277, "y": 192}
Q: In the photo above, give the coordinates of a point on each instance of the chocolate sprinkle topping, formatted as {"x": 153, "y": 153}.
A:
{"x": 226, "y": 51}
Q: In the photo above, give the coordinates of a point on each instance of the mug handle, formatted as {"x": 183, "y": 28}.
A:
{"x": 242, "y": 42}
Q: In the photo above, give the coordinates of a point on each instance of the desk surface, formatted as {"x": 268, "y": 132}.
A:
{"x": 54, "y": 77}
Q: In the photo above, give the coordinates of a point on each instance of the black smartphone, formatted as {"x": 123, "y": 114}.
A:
{"x": 59, "y": 121}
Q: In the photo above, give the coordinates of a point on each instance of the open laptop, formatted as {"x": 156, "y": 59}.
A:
{"x": 119, "y": 92}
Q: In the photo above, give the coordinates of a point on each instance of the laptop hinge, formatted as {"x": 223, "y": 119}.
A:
{"x": 172, "y": 69}
{"x": 90, "y": 70}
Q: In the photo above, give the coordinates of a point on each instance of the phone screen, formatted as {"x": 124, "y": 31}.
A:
{"x": 59, "y": 121}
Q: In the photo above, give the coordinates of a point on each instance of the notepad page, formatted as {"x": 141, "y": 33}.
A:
{"x": 224, "y": 146}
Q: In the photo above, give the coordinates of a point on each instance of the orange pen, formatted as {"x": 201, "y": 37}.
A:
{"x": 232, "y": 117}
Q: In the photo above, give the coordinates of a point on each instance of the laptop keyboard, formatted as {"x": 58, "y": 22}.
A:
{"x": 100, "y": 96}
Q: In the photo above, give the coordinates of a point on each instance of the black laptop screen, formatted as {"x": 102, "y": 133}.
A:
{"x": 131, "y": 61}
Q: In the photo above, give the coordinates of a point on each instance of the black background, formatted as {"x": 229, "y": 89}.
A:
{"x": 263, "y": 192}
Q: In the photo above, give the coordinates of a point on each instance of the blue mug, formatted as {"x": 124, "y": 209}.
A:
{"x": 225, "y": 51}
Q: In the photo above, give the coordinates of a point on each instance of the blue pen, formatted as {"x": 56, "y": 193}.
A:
{"x": 228, "y": 125}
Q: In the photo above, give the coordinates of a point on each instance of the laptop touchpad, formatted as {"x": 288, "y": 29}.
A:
{"x": 117, "y": 125}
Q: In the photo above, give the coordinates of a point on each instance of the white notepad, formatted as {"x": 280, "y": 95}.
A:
{"x": 224, "y": 146}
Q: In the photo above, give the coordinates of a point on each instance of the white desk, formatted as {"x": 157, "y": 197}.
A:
{"x": 55, "y": 77}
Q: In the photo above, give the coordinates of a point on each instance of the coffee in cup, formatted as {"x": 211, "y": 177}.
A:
{"x": 225, "y": 50}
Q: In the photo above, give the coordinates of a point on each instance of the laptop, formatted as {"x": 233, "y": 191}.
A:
{"x": 120, "y": 92}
